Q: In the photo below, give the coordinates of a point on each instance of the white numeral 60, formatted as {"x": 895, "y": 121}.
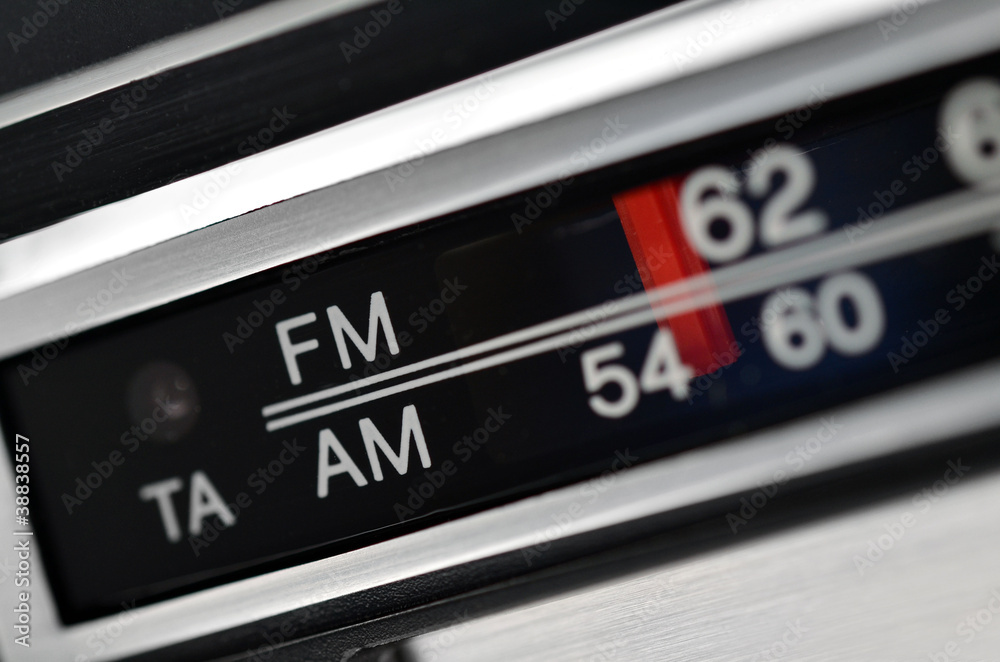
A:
{"x": 797, "y": 337}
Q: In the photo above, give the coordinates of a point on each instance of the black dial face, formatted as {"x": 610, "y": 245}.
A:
{"x": 562, "y": 336}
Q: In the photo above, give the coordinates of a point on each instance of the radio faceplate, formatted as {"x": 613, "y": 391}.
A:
{"x": 469, "y": 361}
{"x": 367, "y": 234}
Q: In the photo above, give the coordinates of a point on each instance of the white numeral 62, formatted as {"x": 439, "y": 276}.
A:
{"x": 709, "y": 198}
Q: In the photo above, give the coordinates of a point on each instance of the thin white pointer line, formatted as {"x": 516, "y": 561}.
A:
{"x": 573, "y": 320}
{"x": 946, "y": 219}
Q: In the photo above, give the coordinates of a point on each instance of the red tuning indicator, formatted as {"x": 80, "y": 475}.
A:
{"x": 651, "y": 218}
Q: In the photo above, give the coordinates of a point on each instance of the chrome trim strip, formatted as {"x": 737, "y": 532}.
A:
{"x": 683, "y": 109}
{"x": 628, "y": 58}
{"x": 805, "y": 594}
{"x": 238, "y": 30}
{"x": 961, "y": 403}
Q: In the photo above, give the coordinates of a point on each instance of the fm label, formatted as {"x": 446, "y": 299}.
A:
{"x": 334, "y": 460}
{"x": 342, "y": 330}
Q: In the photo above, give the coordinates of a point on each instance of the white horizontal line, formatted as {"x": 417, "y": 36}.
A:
{"x": 619, "y": 61}
{"x": 200, "y": 43}
{"x": 946, "y": 219}
{"x": 524, "y": 351}
{"x": 570, "y": 321}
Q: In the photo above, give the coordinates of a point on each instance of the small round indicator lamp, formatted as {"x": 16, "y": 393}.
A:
{"x": 163, "y": 401}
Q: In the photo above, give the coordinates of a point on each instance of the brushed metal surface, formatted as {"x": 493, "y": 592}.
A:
{"x": 238, "y": 30}
{"x": 481, "y": 170}
{"x": 808, "y": 594}
{"x": 619, "y": 61}
{"x": 686, "y": 108}
{"x": 906, "y": 418}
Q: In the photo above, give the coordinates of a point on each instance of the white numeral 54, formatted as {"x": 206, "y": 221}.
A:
{"x": 662, "y": 370}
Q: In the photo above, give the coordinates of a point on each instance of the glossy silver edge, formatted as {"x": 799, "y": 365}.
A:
{"x": 909, "y": 417}
{"x": 809, "y": 593}
{"x": 240, "y": 29}
{"x": 633, "y": 56}
{"x": 158, "y": 617}
{"x": 680, "y": 110}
